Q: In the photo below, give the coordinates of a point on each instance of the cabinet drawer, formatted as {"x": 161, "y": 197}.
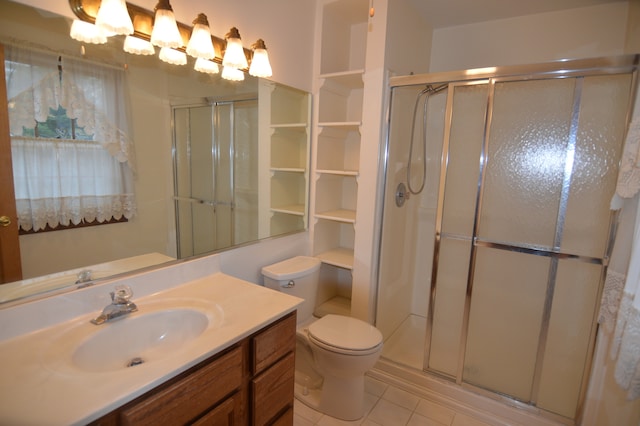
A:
{"x": 273, "y": 343}
{"x": 191, "y": 396}
{"x": 273, "y": 391}
{"x": 225, "y": 414}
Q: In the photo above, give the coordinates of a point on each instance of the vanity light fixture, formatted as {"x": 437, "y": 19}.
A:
{"x": 165, "y": 31}
{"x": 206, "y": 66}
{"x": 172, "y": 56}
{"x": 113, "y": 18}
{"x": 149, "y": 25}
{"x": 200, "y": 44}
{"x": 232, "y": 74}
{"x": 87, "y": 32}
{"x": 138, "y": 46}
{"x": 260, "y": 66}
{"x": 234, "y": 52}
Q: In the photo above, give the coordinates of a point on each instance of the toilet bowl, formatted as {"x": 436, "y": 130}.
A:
{"x": 334, "y": 352}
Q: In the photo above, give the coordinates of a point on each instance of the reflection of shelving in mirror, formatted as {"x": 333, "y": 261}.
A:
{"x": 286, "y": 158}
{"x": 288, "y": 189}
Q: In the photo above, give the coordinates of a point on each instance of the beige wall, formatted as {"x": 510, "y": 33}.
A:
{"x": 570, "y": 34}
{"x": 632, "y": 42}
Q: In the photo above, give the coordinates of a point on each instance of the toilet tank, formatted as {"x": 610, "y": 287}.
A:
{"x": 297, "y": 276}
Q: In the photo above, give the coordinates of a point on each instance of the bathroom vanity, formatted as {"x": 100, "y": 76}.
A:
{"x": 225, "y": 355}
{"x": 252, "y": 380}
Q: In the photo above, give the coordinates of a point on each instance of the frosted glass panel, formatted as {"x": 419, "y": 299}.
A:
{"x": 526, "y": 160}
{"x": 450, "y": 297}
{"x": 463, "y": 168}
{"x": 601, "y": 129}
{"x": 574, "y": 307}
{"x": 504, "y": 325}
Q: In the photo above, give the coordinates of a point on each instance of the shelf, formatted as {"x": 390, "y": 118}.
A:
{"x": 346, "y": 125}
{"x": 287, "y": 169}
{"x": 351, "y": 79}
{"x": 294, "y": 209}
{"x": 345, "y": 216}
{"x": 340, "y": 257}
{"x": 338, "y": 172}
{"x": 337, "y": 305}
{"x": 300, "y": 126}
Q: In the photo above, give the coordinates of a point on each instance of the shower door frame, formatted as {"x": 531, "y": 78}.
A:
{"x": 624, "y": 64}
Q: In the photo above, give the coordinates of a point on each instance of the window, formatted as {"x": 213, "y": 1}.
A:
{"x": 71, "y": 153}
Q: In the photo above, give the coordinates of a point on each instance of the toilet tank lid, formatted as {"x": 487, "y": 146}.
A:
{"x": 291, "y": 268}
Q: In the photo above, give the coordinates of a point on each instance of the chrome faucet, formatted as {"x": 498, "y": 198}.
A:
{"x": 119, "y": 307}
{"x": 85, "y": 278}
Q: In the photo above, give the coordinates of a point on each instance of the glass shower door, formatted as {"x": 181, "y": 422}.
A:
{"x": 491, "y": 277}
{"x": 542, "y": 236}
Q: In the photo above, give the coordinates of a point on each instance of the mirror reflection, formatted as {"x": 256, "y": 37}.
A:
{"x": 217, "y": 164}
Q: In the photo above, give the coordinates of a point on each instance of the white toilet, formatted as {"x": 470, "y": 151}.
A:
{"x": 333, "y": 352}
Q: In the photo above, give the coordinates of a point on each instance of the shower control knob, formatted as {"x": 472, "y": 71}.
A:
{"x": 401, "y": 194}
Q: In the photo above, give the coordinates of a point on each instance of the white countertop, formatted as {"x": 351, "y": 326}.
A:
{"x": 36, "y": 389}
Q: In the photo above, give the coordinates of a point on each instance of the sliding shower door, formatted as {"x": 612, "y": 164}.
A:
{"x": 215, "y": 150}
{"x": 515, "y": 214}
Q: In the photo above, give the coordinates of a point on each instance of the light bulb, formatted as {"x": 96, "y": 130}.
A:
{"x": 234, "y": 53}
{"x": 113, "y": 17}
{"x": 172, "y": 56}
{"x": 206, "y": 66}
{"x": 165, "y": 31}
{"x": 200, "y": 44}
{"x": 260, "y": 66}
{"x": 138, "y": 46}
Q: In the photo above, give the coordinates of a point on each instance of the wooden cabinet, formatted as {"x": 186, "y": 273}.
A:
{"x": 249, "y": 383}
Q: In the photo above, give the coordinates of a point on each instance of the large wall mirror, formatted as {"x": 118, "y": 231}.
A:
{"x": 218, "y": 164}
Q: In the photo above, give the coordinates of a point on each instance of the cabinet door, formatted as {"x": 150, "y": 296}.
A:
{"x": 191, "y": 396}
{"x": 285, "y": 419}
{"x": 272, "y": 391}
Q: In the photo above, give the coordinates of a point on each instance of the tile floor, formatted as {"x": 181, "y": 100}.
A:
{"x": 387, "y": 405}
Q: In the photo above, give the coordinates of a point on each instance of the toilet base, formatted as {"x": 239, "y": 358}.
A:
{"x": 343, "y": 398}
{"x": 339, "y": 398}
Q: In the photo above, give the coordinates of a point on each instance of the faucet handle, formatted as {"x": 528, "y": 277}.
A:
{"x": 122, "y": 294}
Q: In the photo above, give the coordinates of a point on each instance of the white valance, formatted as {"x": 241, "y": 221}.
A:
{"x": 94, "y": 95}
{"x": 65, "y": 181}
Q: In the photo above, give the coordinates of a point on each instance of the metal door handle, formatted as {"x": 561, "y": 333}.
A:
{"x": 5, "y": 221}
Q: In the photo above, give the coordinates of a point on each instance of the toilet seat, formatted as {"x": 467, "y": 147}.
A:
{"x": 346, "y": 335}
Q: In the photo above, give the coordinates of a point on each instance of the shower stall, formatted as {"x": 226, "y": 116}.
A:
{"x": 215, "y": 151}
{"x": 496, "y": 228}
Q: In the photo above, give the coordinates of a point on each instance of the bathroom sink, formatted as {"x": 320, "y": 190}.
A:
{"x": 138, "y": 339}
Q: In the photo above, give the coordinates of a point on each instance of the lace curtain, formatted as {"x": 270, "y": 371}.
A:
{"x": 620, "y": 308}
{"x": 64, "y": 180}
